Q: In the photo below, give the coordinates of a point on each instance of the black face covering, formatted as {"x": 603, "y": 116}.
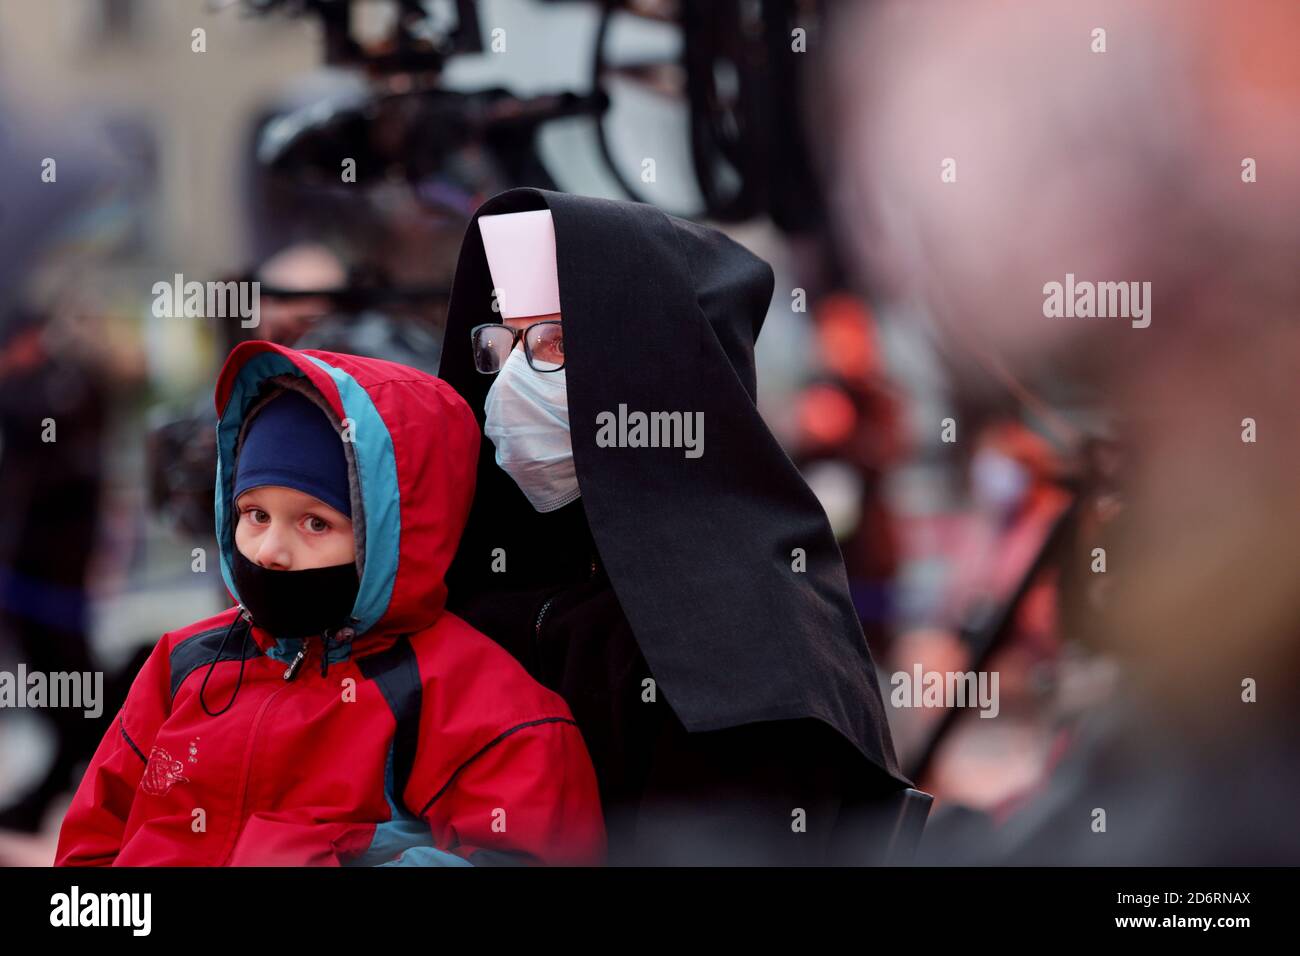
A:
{"x": 293, "y": 604}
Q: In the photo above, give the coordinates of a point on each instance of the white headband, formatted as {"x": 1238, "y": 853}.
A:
{"x": 520, "y": 249}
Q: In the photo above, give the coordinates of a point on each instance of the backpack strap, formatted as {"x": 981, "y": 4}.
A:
{"x": 397, "y": 673}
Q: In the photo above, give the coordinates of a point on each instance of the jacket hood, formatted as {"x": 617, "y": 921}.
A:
{"x": 411, "y": 462}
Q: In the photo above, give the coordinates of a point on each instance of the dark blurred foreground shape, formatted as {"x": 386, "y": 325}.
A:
{"x": 1132, "y": 164}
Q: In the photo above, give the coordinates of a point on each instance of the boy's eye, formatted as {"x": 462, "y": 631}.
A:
{"x": 257, "y": 515}
{"x": 316, "y": 524}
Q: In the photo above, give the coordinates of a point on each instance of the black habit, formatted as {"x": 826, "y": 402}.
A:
{"x": 693, "y": 611}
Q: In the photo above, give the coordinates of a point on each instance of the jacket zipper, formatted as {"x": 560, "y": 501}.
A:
{"x": 546, "y": 605}
{"x": 246, "y": 773}
{"x": 295, "y": 665}
{"x": 289, "y": 674}
{"x": 327, "y": 644}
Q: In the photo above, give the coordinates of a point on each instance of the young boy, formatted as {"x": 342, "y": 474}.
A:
{"x": 339, "y": 715}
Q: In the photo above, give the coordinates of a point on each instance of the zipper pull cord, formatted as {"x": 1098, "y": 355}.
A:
{"x": 344, "y": 636}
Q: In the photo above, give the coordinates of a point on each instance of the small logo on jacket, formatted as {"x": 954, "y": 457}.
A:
{"x": 161, "y": 773}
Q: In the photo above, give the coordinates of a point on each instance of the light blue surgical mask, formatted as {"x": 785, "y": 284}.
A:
{"x": 528, "y": 422}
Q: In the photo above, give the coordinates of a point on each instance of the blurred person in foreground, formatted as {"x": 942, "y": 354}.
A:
{"x": 1163, "y": 149}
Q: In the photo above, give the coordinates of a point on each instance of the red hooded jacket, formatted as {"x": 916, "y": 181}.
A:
{"x": 409, "y": 738}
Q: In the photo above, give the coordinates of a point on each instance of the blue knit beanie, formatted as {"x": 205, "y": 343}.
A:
{"x": 291, "y": 442}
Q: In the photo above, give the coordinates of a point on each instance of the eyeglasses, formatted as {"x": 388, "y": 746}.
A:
{"x": 543, "y": 345}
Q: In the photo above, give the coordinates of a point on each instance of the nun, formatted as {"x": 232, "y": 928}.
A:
{"x": 673, "y": 578}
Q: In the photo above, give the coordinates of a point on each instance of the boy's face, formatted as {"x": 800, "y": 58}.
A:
{"x": 283, "y": 529}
